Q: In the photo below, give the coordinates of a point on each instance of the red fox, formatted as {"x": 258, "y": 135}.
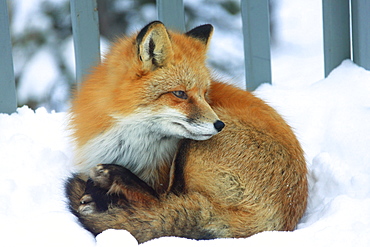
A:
{"x": 163, "y": 149}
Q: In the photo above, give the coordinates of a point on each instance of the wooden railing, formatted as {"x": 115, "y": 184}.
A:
{"x": 8, "y": 99}
{"x": 255, "y": 18}
{"x": 337, "y": 32}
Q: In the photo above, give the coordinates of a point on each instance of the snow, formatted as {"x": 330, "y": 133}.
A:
{"x": 330, "y": 117}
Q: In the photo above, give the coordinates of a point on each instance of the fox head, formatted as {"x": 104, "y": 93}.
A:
{"x": 177, "y": 80}
{"x": 156, "y": 79}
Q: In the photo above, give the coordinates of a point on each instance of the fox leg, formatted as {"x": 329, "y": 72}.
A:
{"x": 145, "y": 215}
{"x": 107, "y": 185}
{"x": 122, "y": 185}
{"x": 86, "y": 198}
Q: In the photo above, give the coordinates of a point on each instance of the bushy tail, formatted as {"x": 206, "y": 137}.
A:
{"x": 190, "y": 216}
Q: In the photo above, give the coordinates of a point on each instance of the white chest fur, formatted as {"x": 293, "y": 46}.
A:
{"x": 134, "y": 143}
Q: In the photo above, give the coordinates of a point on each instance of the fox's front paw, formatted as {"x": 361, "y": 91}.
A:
{"x": 121, "y": 185}
{"x": 87, "y": 205}
{"x": 94, "y": 199}
{"x": 102, "y": 175}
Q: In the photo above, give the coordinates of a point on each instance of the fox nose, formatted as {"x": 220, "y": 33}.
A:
{"x": 219, "y": 125}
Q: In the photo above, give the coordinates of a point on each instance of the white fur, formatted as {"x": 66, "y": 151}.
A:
{"x": 142, "y": 141}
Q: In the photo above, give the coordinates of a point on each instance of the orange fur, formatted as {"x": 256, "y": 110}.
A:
{"x": 250, "y": 177}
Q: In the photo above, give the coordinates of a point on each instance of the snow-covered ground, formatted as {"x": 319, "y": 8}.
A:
{"x": 330, "y": 117}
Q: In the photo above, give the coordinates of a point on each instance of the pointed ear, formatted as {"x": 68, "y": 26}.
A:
{"x": 154, "y": 46}
{"x": 202, "y": 33}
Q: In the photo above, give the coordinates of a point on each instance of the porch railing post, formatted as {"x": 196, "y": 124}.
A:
{"x": 361, "y": 32}
{"x": 336, "y": 33}
{"x": 86, "y": 38}
{"x": 256, "y": 32}
{"x": 172, "y": 14}
{"x": 8, "y": 99}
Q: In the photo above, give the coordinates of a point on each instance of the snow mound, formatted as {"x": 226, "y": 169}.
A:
{"x": 331, "y": 119}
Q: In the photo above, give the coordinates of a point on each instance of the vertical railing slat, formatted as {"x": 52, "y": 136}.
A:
{"x": 336, "y": 33}
{"x": 361, "y": 33}
{"x": 8, "y": 99}
{"x": 256, "y": 32}
{"x": 86, "y": 38}
{"x": 171, "y": 13}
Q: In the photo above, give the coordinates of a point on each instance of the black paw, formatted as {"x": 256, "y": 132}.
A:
{"x": 95, "y": 199}
{"x": 118, "y": 179}
{"x": 107, "y": 175}
{"x": 104, "y": 176}
{"x": 87, "y": 205}
{"x": 113, "y": 185}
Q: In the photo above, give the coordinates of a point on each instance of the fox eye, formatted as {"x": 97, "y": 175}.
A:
{"x": 180, "y": 94}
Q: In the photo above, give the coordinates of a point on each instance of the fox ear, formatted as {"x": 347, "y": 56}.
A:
{"x": 202, "y": 33}
{"x": 154, "y": 46}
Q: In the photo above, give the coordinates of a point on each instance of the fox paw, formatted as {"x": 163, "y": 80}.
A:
{"x": 87, "y": 205}
{"x": 102, "y": 175}
{"x": 121, "y": 185}
{"x": 94, "y": 199}
{"x": 113, "y": 185}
